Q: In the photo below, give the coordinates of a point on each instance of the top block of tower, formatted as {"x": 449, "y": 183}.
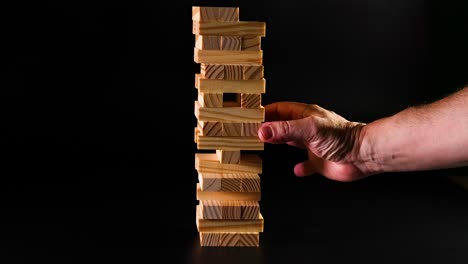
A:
{"x": 219, "y": 14}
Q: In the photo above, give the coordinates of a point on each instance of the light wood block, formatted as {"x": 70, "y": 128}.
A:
{"x": 228, "y": 225}
{"x": 210, "y": 181}
{"x": 197, "y": 132}
{"x": 209, "y": 239}
{"x": 232, "y": 130}
{"x": 234, "y": 72}
{"x": 251, "y": 42}
{"x": 251, "y": 101}
{"x": 209, "y": 13}
{"x": 216, "y": 182}
{"x": 253, "y": 72}
{"x": 224, "y": 196}
{"x": 209, "y": 129}
{"x": 254, "y": 57}
{"x": 208, "y": 42}
{"x": 250, "y": 183}
{"x": 231, "y": 42}
{"x": 210, "y": 100}
{"x": 237, "y": 28}
{"x": 229, "y": 86}
{"x": 208, "y": 162}
{"x": 212, "y": 71}
{"x": 228, "y": 157}
{"x": 229, "y": 209}
{"x": 229, "y": 239}
{"x": 230, "y": 143}
{"x": 250, "y": 129}
{"x": 229, "y": 114}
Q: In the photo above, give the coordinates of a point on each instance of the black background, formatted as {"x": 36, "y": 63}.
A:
{"x": 97, "y": 131}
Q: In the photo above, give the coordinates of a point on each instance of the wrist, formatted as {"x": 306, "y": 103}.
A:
{"x": 367, "y": 153}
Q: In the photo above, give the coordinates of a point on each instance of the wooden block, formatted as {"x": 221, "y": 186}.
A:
{"x": 254, "y": 57}
{"x": 205, "y": 13}
{"x": 223, "y": 196}
{"x": 210, "y": 181}
{"x": 209, "y": 239}
{"x": 228, "y": 157}
{"x": 253, "y": 72}
{"x": 250, "y": 129}
{"x": 233, "y": 72}
{"x": 231, "y": 209}
{"x": 208, "y": 13}
{"x": 210, "y": 129}
{"x": 228, "y": 225}
{"x": 231, "y": 42}
{"x": 251, "y": 42}
{"x": 229, "y": 86}
{"x": 250, "y": 209}
{"x": 250, "y": 183}
{"x": 232, "y": 129}
{"x": 212, "y": 71}
{"x": 230, "y": 143}
{"x": 211, "y": 209}
{"x": 208, "y": 42}
{"x": 197, "y": 132}
{"x": 229, "y": 114}
{"x": 231, "y": 183}
{"x": 210, "y": 100}
{"x": 229, "y": 239}
{"x": 237, "y": 28}
{"x": 251, "y": 101}
{"x": 228, "y": 14}
{"x": 208, "y": 162}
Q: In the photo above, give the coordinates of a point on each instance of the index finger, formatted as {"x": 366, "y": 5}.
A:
{"x": 281, "y": 111}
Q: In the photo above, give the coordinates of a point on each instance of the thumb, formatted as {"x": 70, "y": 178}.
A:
{"x": 299, "y": 130}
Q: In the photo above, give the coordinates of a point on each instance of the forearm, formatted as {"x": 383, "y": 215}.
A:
{"x": 427, "y": 137}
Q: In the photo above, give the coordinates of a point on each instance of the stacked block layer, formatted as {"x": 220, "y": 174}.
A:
{"x": 229, "y": 112}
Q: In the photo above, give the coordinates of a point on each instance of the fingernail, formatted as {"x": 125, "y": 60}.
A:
{"x": 266, "y": 132}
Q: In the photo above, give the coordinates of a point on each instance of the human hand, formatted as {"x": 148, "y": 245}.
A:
{"x": 333, "y": 143}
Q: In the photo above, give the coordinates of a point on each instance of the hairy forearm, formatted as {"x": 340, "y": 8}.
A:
{"x": 431, "y": 136}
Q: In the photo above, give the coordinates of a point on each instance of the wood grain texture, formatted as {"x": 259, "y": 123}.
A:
{"x": 228, "y": 225}
{"x": 231, "y": 183}
{"x": 227, "y": 196}
{"x": 208, "y": 162}
{"x": 208, "y": 42}
{"x": 229, "y": 143}
{"x": 210, "y": 182}
{"x": 250, "y": 129}
{"x": 209, "y": 239}
{"x": 250, "y": 183}
{"x": 233, "y": 72}
{"x": 229, "y": 86}
{"x": 254, "y": 57}
{"x": 229, "y": 114}
{"x": 211, "y": 209}
{"x": 209, "y": 129}
{"x": 212, "y": 71}
{"x": 196, "y": 133}
{"x": 253, "y": 72}
{"x": 231, "y": 129}
{"x": 237, "y": 28}
{"x": 231, "y": 42}
{"x": 229, "y": 239}
{"x": 210, "y": 100}
{"x": 228, "y": 157}
{"x": 250, "y": 209}
{"x": 229, "y": 209}
{"x": 209, "y": 13}
{"x": 228, "y": 14}
{"x": 251, "y": 42}
{"x": 251, "y": 101}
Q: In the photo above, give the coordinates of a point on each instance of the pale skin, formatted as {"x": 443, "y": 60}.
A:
{"x": 426, "y": 137}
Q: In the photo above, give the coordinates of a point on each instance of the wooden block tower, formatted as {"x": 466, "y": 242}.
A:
{"x": 229, "y": 113}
